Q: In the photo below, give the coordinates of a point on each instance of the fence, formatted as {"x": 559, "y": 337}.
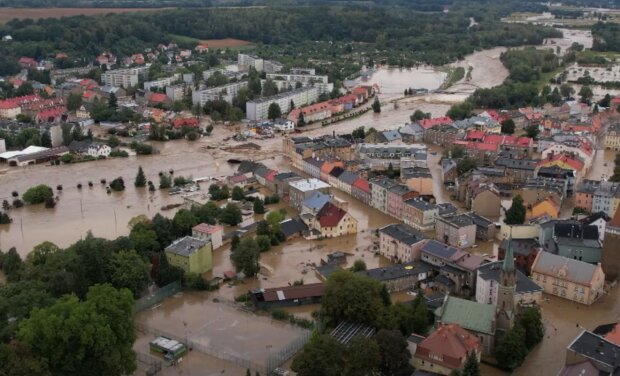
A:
{"x": 276, "y": 360}
{"x": 154, "y": 364}
{"x": 156, "y": 297}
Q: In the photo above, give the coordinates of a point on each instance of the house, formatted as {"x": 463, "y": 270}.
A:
{"x": 360, "y": 189}
{"x": 446, "y": 350}
{"x": 569, "y": 279}
{"x": 430, "y": 123}
{"x": 610, "y": 332}
{"x": 571, "y": 239}
{"x": 161, "y": 99}
{"x": 599, "y": 220}
{"x": 379, "y": 188}
{"x": 547, "y": 207}
{"x": 190, "y": 122}
{"x": 284, "y": 125}
{"x": 282, "y": 181}
{"x": 589, "y": 354}
{"x": 610, "y": 258}
{"x": 486, "y": 201}
{"x": 332, "y": 221}
{"x": 524, "y": 251}
{"x": 399, "y": 277}
{"x": 27, "y": 62}
{"x": 439, "y": 254}
{"x": 191, "y": 254}
{"x": 448, "y": 171}
{"x": 202, "y": 48}
{"x": 477, "y": 318}
{"x": 400, "y": 243}
{"x": 345, "y": 181}
{"x": 418, "y": 179}
{"x": 209, "y": 233}
{"x": 488, "y": 278}
{"x": 327, "y": 168}
{"x": 443, "y": 135}
{"x": 612, "y": 138}
{"x": 292, "y": 227}
{"x": 420, "y": 214}
{"x": 411, "y": 133}
{"x": 397, "y": 195}
{"x": 287, "y": 296}
{"x": 302, "y": 189}
{"x": 315, "y": 202}
{"x": 456, "y": 230}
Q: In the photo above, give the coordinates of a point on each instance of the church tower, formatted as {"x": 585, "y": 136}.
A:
{"x": 505, "y": 311}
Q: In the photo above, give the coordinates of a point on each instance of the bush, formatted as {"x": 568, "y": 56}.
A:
{"x": 181, "y": 181}
{"x": 264, "y": 242}
{"x": 117, "y": 184}
{"x": 142, "y": 149}
{"x": 38, "y": 194}
{"x": 192, "y": 136}
{"x": 119, "y": 154}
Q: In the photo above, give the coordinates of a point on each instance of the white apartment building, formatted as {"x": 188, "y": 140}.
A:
{"x": 303, "y": 78}
{"x": 162, "y": 82}
{"x": 175, "y": 92}
{"x": 122, "y": 77}
{"x": 245, "y": 62}
{"x": 227, "y": 92}
{"x": 259, "y": 108}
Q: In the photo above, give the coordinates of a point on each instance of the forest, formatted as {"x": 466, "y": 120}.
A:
{"x": 606, "y": 37}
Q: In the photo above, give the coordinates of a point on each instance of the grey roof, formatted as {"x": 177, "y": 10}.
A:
{"x": 516, "y": 164}
{"x": 286, "y": 176}
{"x": 521, "y": 247}
{"x": 327, "y": 269}
{"x": 315, "y": 162}
{"x": 576, "y": 271}
{"x": 397, "y": 271}
{"x": 595, "y": 217}
{"x": 292, "y": 226}
{"x": 415, "y": 172}
{"x": 348, "y": 177}
{"x": 391, "y": 135}
{"x": 247, "y": 167}
{"x": 479, "y": 220}
{"x": 492, "y": 271}
{"x": 460, "y": 220}
{"x": 411, "y": 129}
{"x": 605, "y": 354}
{"x": 421, "y": 204}
{"x": 447, "y": 208}
{"x": 439, "y": 249}
{"x": 447, "y": 164}
{"x": 186, "y": 246}
{"x": 443, "y": 280}
{"x": 384, "y": 183}
{"x": 400, "y": 189}
{"x": 403, "y": 233}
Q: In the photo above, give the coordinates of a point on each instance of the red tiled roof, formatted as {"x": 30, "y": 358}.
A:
{"x": 359, "y": 91}
{"x": 474, "y": 135}
{"x": 429, "y": 123}
{"x": 450, "y": 343}
{"x": 271, "y": 175}
{"x": 362, "y": 184}
{"x": 18, "y": 101}
{"x": 27, "y": 60}
{"x": 158, "y": 98}
{"x": 575, "y": 164}
{"x": 184, "y": 122}
{"x": 330, "y": 215}
{"x": 482, "y": 146}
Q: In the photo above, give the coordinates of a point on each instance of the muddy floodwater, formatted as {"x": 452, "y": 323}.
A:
{"x": 394, "y": 81}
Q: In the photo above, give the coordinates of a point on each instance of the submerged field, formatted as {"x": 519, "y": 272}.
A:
{"x": 7, "y": 14}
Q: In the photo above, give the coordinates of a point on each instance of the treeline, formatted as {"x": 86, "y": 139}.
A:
{"x": 606, "y": 37}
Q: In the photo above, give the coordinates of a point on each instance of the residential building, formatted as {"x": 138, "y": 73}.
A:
{"x": 162, "y": 82}
{"x": 547, "y": 207}
{"x": 523, "y": 250}
{"x": 95, "y": 150}
{"x": 400, "y": 277}
{"x": 314, "y": 203}
{"x": 527, "y": 292}
{"x": 400, "y": 243}
{"x": 418, "y": 179}
{"x": 175, "y": 92}
{"x": 439, "y": 254}
{"x": 611, "y": 251}
{"x": 328, "y": 166}
{"x": 258, "y": 109}
{"x": 420, "y": 214}
{"x": 518, "y": 170}
{"x": 379, "y": 188}
{"x": 360, "y": 189}
{"x": 397, "y": 195}
{"x": 294, "y": 78}
{"x": 571, "y": 239}
{"x": 245, "y": 62}
{"x": 209, "y": 233}
{"x": 589, "y": 354}
{"x": 411, "y": 133}
{"x": 446, "y": 350}
{"x": 456, "y": 230}
{"x": 442, "y": 135}
{"x": 191, "y": 254}
{"x": 606, "y": 198}
{"x": 612, "y": 138}
{"x": 486, "y": 201}
{"x": 287, "y": 296}
{"x": 226, "y": 92}
{"x": 345, "y": 181}
{"x": 569, "y": 279}
{"x": 477, "y": 318}
{"x": 122, "y": 77}
{"x": 302, "y": 189}
{"x": 332, "y": 221}
{"x": 599, "y": 220}
{"x": 284, "y": 125}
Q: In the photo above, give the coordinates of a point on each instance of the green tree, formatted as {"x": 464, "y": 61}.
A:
{"x": 74, "y": 102}
{"x": 508, "y": 126}
{"x": 323, "y": 355}
{"x": 275, "y": 218}
{"x": 511, "y": 350}
{"x": 274, "y": 111}
{"x": 166, "y": 273}
{"x": 269, "y": 88}
{"x": 245, "y": 257}
{"x": 363, "y": 357}
{"x": 263, "y": 242}
{"x": 531, "y": 322}
{"x": 38, "y": 194}
{"x": 420, "y": 320}
{"x": 465, "y": 165}
{"x": 353, "y": 297}
{"x": 358, "y": 266}
{"x": 46, "y": 140}
{"x": 94, "y": 336}
{"x": 112, "y": 101}
{"x": 376, "y": 106}
{"x": 234, "y": 242}
{"x": 586, "y": 94}
{"x": 117, "y": 184}
{"x": 165, "y": 181}
{"x": 129, "y": 270}
{"x": 419, "y": 115}
{"x": 567, "y": 91}
{"x": 140, "y": 178}
{"x": 472, "y": 366}
{"x": 16, "y": 359}
{"x": 231, "y": 215}
{"x": 395, "y": 355}
{"x": 183, "y": 222}
{"x": 259, "y": 206}
{"x": 457, "y": 152}
{"x": 11, "y": 264}
{"x": 237, "y": 193}
{"x": 516, "y": 214}
{"x": 461, "y": 111}
{"x": 532, "y": 131}
{"x": 145, "y": 240}
{"x": 359, "y": 133}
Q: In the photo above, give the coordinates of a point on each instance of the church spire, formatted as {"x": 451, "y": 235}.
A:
{"x": 509, "y": 260}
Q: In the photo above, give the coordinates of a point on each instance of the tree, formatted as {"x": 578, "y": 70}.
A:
{"x": 532, "y": 131}
{"x": 11, "y": 264}
{"x": 301, "y": 121}
{"x": 359, "y": 133}
{"x": 419, "y": 115}
{"x": 586, "y": 94}
{"x": 457, "y": 152}
{"x": 508, "y": 126}
{"x": 323, "y": 355}
{"x": 245, "y": 257}
{"x": 516, "y": 214}
{"x": 363, "y": 357}
{"x": 164, "y": 181}
{"x": 461, "y": 111}
{"x": 274, "y": 112}
{"x": 420, "y": 321}
{"x": 16, "y": 359}
{"x": 263, "y": 242}
{"x": 140, "y": 178}
{"x": 605, "y": 102}
{"x": 394, "y": 353}
{"x": 531, "y": 322}
{"x": 209, "y": 129}
{"x": 511, "y": 350}
{"x": 128, "y": 270}
{"x": 145, "y": 240}
{"x": 112, "y": 101}
{"x": 259, "y": 206}
{"x": 74, "y": 101}
{"x": 166, "y": 273}
{"x": 46, "y": 140}
{"x": 117, "y": 184}
{"x": 353, "y": 297}
{"x": 376, "y": 106}
{"x": 472, "y": 366}
{"x": 237, "y": 193}
{"x": 234, "y": 242}
{"x": 183, "y": 222}
{"x": 275, "y": 218}
{"x": 231, "y": 215}
{"x": 94, "y": 336}
{"x": 465, "y": 165}
{"x": 38, "y": 194}
{"x": 358, "y": 266}
{"x": 567, "y": 91}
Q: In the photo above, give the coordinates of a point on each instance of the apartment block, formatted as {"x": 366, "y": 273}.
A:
{"x": 259, "y": 108}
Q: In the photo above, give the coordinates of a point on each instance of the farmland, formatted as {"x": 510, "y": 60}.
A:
{"x": 226, "y": 43}
{"x": 7, "y": 14}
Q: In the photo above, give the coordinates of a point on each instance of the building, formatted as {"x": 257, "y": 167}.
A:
{"x": 175, "y": 92}
{"x": 300, "y": 190}
{"x": 420, "y": 214}
{"x": 524, "y": 251}
{"x": 446, "y": 350}
{"x": 162, "y": 82}
{"x": 418, "y": 179}
{"x": 486, "y": 201}
{"x": 379, "y": 189}
{"x": 477, "y": 318}
{"x": 191, "y": 254}
{"x": 599, "y": 220}
{"x": 360, "y": 189}
{"x": 456, "y": 230}
{"x": 332, "y": 221}
{"x": 612, "y": 138}
{"x": 400, "y": 277}
{"x": 571, "y": 239}
{"x": 245, "y": 62}
{"x": 400, "y": 243}
{"x": 288, "y": 295}
{"x": 611, "y": 251}
{"x": 209, "y": 233}
{"x": 591, "y": 355}
{"x": 567, "y": 278}
{"x": 284, "y": 125}
{"x": 259, "y": 108}
{"x": 547, "y": 207}
{"x": 122, "y": 77}
{"x": 226, "y": 92}
{"x": 397, "y": 195}
{"x": 527, "y": 292}
{"x": 94, "y": 150}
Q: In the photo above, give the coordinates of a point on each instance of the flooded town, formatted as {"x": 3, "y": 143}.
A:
{"x": 224, "y": 211}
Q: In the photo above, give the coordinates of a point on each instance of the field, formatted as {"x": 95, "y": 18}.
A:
{"x": 7, "y": 14}
{"x": 226, "y": 43}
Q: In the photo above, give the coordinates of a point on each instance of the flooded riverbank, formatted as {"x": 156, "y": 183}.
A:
{"x": 394, "y": 81}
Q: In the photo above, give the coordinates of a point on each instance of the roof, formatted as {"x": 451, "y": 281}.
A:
{"x": 492, "y": 271}
{"x": 521, "y": 247}
{"x": 420, "y": 204}
{"x": 564, "y": 268}
{"x": 307, "y": 185}
{"x": 447, "y": 208}
{"x": 348, "y": 177}
{"x": 286, "y": 176}
{"x": 610, "y": 332}
{"x": 186, "y": 246}
{"x": 451, "y": 343}
{"x": 429, "y": 123}
{"x": 362, "y": 184}
{"x": 584, "y": 368}
{"x": 603, "y": 353}
{"x": 391, "y": 135}
{"x": 292, "y": 292}
{"x": 403, "y": 233}
{"x": 42, "y": 154}
{"x": 439, "y": 249}
{"x": 346, "y": 330}
{"x": 206, "y": 228}
{"x": 316, "y": 201}
{"x": 247, "y": 167}
{"x": 470, "y": 315}
{"x": 330, "y": 215}
{"x": 292, "y": 226}
{"x": 158, "y": 97}
{"x": 459, "y": 221}
{"x": 397, "y": 271}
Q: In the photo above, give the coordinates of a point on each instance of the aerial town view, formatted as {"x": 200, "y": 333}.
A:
{"x": 312, "y": 188}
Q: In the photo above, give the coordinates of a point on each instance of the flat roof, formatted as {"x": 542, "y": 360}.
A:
{"x": 311, "y": 184}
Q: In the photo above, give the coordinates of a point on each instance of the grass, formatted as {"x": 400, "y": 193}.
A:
{"x": 7, "y": 14}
